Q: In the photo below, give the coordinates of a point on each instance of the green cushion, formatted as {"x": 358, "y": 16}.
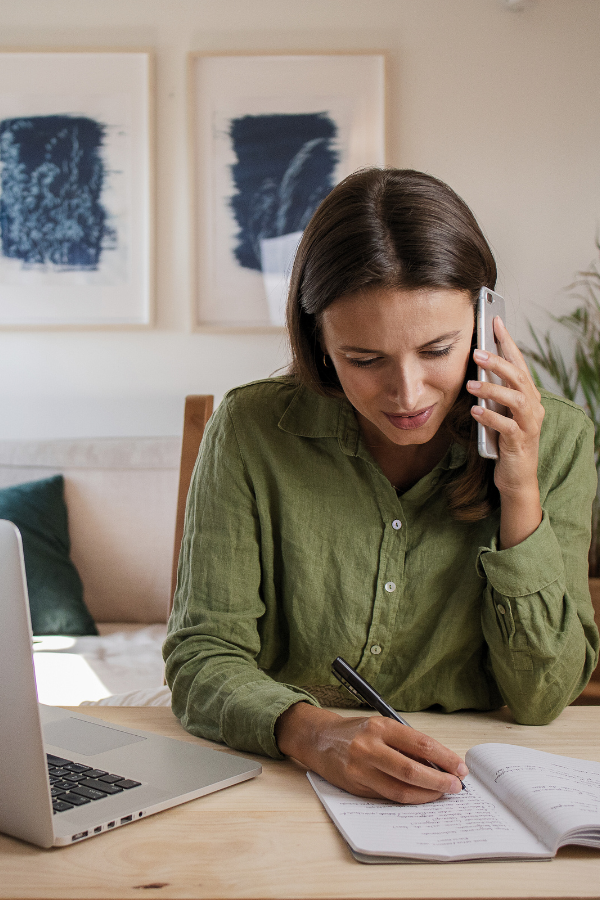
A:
{"x": 39, "y": 511}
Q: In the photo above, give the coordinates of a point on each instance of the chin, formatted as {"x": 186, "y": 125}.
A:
{"x": 409, "y": 438}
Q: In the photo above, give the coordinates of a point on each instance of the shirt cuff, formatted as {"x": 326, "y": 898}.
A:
{"x": 527, "y": 568}
{"x": 251, "y": 712}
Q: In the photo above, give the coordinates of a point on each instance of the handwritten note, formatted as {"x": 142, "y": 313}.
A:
{"x": 465, "y": 825}
{"x": 553, "y": 794}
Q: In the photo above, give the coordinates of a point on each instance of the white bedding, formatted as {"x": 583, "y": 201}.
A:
{"x": 104, "y": 669}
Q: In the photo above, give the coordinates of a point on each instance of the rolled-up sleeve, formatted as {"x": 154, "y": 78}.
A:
{"x": 537, "y": 616}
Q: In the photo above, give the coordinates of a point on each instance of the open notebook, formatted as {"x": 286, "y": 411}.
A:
{"x": 518, "y": 804}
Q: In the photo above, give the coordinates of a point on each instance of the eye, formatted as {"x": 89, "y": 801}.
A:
{"x": 362, "y": 363}
{"x": 436, "y": 354}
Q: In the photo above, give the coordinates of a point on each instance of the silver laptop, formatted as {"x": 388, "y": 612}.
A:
{"x": 64, "y": 776}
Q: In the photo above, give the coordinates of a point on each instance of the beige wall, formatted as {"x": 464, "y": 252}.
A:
{"x": 503, "y": 105}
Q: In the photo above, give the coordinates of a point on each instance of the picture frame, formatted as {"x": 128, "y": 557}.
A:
{"x": 272, "y": 135}
{"x": 76, "y": 177}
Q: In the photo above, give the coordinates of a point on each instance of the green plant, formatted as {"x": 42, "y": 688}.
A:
{"x": 580, "y": 379}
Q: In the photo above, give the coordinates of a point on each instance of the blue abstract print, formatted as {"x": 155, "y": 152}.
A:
{"x": 50, "y": 192}
{"x": 285, "y": 167}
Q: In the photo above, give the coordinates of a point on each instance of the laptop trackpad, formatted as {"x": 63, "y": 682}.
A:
{"x": 87, "y": 738}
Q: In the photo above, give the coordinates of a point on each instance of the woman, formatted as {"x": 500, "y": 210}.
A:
{"x": 343, "y": 510}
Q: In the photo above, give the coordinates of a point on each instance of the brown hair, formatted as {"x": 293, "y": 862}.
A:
{"x": 393, "y": 228}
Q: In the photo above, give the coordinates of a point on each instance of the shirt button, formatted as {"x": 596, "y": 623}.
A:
{"x": 501, "y": 609}
{"x": 396, "y": 524}
{"x": 390, "y": 587}
{"x": 375, "y": 649}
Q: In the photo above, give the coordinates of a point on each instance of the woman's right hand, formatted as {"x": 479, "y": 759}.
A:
{"x": 370, "y": 756}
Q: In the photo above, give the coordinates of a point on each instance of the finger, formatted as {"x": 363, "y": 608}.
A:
{"x": 413, "y": 751}
{"x": 423, "y": 747}
{"x": 397, "y": 777}
{"x": 526, "y": 414}
{"x": 518, "y": 378}
{"x": 388, "y": 788}
{"x": 510, "y": 349}
{"x": 508, "y": 428}
{"x": 386, "y": 757}
{"x": 415, "y": 773}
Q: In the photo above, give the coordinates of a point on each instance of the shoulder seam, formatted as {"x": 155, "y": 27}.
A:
{"x": 278, "y": 380}
{"x": 237, "y": 440}
{"x": 548, "y": 395}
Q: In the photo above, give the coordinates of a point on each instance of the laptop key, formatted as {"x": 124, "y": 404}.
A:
{"x": 88, "y": 792}
{"x": 78, "y": 768}
{"x": 110, "y": 779}
{"x": 127, "y": 783}
{"x": 60, "y": 806}
{"x": 95, "y": 773}
{"x": 62, "y": 785}
{"x": 97, "y": 785}
{"x": 57, "y": 760}
{"x": 75, "y": 799}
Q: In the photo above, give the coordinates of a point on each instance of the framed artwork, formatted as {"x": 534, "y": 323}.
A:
{"x": 272, "y": 136}
{"x": 75, "y": 189}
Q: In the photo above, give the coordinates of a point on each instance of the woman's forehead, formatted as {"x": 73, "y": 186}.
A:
{"x": 417, "y": 314}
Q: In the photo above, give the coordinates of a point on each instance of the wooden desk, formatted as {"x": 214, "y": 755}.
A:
{"x": 270, "y": 837}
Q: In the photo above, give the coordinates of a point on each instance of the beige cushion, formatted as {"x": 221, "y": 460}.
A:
{"x": 121, "y": 495}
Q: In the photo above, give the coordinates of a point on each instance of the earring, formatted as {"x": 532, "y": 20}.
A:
{"x": 325, "y": 363}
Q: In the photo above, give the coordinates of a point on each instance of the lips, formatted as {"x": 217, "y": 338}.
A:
{"x": 410, "y": 421}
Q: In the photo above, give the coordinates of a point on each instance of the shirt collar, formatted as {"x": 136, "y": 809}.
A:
{"x": 313, "y": 416}
{"x": 454, "y": 458}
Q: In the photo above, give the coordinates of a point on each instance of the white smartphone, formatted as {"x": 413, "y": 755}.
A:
{"x": 489, "y": 305}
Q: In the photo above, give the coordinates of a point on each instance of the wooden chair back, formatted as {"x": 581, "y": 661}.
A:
{"x": 198, "y": 410}
{"x": 590, "y": 696}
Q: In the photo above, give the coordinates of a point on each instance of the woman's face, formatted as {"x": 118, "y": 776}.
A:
{"x": 401, "y": 357}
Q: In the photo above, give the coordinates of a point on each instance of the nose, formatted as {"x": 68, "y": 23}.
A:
{"x": 406, "y": 386}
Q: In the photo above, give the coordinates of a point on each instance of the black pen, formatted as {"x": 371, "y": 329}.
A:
{"x": 360, "y": 688}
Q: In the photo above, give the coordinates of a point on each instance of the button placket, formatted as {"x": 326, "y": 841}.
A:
{"x": 388, "y": 588}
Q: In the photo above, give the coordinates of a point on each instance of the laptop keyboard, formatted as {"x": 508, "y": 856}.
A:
{"x": 73, "y": 784}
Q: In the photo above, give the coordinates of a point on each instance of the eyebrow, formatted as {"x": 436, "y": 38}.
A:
{"x": 450, "y": 335}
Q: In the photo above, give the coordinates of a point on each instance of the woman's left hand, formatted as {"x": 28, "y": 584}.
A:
{"x": 515, "y": 472}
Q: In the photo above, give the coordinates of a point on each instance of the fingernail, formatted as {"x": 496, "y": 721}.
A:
{"x": 480, "y": 355}
{"x": 476, "y": 410}
{"x": 456, "y": 787}
{"x": 462, "y": 770}
{"x": 473, "y": 385}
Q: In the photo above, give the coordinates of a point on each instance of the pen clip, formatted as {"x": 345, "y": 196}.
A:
{"x": 348, "y": 686}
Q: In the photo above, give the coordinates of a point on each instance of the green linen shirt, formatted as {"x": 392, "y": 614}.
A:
{"x": 297, "y": 549}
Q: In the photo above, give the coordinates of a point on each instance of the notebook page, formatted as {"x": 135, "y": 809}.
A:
{"x": 468, "y": 825}
{"x": 552, "y": 794}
